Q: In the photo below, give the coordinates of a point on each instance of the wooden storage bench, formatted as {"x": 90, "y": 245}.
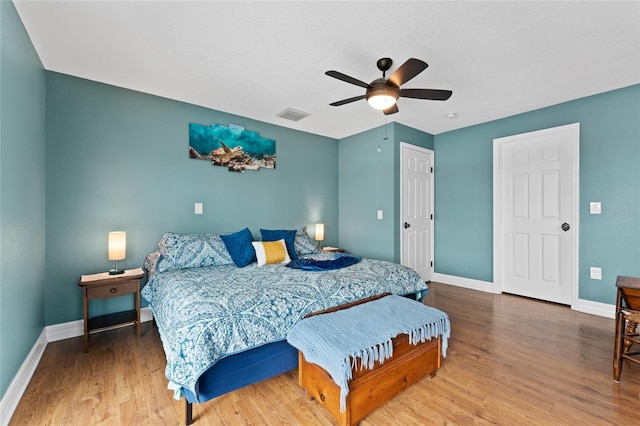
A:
{"x": 370, "y": 388}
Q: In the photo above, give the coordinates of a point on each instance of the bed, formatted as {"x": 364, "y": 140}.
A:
{"x": 223, "y": 323}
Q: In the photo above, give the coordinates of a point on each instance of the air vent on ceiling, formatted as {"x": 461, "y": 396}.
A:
{"x": 292, "y": 114}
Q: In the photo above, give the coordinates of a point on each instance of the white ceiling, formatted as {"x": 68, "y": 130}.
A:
{"x": 257, "y": 58}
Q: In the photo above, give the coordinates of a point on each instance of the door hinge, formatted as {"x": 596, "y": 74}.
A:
{"x": 431, "y": 169}
{"x": 432, "y": 216}
{"x": 432, "y": 263}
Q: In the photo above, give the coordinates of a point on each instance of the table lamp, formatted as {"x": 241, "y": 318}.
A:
{"x": 117, "y": 250}
{"x": 319, "y": 234}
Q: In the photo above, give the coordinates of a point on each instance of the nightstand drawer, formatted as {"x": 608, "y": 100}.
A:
{"x": 113, "y": 290}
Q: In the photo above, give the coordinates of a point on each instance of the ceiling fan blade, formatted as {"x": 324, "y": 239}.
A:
{"x": 431, "y": 94}
{"x": 407, "y": 71}
{"x": 346, "y": 78}
{"x": 391, "y": 110}
{"x": 347, "y": 101}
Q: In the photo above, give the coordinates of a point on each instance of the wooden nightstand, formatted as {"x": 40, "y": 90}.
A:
{"x": 333, "y": 249}
{"x": 103, "y": 286}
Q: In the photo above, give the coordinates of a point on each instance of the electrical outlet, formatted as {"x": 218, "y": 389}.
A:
{"x": 596, "y": 273}
{"x": 379, "y": 214}
{"x": 198, "y": 208}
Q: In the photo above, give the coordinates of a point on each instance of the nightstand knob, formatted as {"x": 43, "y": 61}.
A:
{"x": 113, "y": 290}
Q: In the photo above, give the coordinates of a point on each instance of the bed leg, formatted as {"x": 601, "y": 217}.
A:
{"x": 188, "y": 412}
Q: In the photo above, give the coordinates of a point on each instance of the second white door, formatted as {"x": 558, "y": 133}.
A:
{"x": 538, "y": 213}
{"x": 416, "y": 176}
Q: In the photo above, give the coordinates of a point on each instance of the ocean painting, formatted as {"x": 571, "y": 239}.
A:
{"x": 231, "y": 147}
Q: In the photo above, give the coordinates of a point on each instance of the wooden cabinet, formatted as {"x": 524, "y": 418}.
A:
{"x": 104, "y": 286}
{"x": 333, "y": 249}
{"x": 370, "y": 388}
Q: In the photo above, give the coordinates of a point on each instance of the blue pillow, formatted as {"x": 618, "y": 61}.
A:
{"x": 281, "y": 234}
{"x": 240, "y": 248}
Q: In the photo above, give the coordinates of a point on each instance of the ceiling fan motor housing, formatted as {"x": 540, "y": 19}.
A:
{"x": 380, "y": 87}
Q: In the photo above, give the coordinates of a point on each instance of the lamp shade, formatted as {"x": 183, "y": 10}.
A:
{"x": 319, "y": 231}
{"x": 117, "y": 245}
{"x": 381, "y": 101}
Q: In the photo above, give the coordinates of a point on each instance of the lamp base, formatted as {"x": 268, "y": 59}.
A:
{"x": 116, "y": 271}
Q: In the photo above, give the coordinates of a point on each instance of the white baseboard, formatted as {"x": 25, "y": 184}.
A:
{"x": 21, "y": 380}
{"x": 50, "y": 333}
{"x": 596, "y": 308}
{"x": 585, "y": 306}
{"x": 68, "y": 330}
{"x": 65, "y": 330}
{"x": 469, "y": 283}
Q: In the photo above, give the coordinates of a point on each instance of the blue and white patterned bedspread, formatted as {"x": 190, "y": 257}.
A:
{"x": 204, "y": 314}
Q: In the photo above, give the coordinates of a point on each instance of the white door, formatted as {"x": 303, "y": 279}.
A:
{"x": 416, "y": 226}
{"x": 537, "y": 210}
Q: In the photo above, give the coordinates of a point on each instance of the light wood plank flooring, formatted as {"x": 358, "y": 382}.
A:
{"x": 511, "y": 361}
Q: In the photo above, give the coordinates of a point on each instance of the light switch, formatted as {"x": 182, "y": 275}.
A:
{"x": 596, "y": 273}
{"x": 198, "y": 208}
{"x": 595, "y": 207}
{"x": 379, "y": 214}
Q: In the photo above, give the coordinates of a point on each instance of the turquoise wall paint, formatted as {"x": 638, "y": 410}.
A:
{"x": 369, "y": 181}
{"x": 22, "y": 194}
{"x": 366, "y": 186}
{"x": 609, "y": 172}
{"x": 117, "y": 160}
{"x": 463, "y": 196}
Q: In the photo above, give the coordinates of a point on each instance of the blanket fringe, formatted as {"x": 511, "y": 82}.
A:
{"x": 383, "y": 351}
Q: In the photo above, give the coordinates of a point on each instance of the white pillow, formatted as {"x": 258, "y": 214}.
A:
{"x": 271, "y": 252}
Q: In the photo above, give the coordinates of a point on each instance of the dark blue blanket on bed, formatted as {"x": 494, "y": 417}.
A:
{"x": 340, "y": 261}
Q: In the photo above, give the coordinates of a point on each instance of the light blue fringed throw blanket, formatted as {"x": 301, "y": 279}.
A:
{"x": 335, "y": 340}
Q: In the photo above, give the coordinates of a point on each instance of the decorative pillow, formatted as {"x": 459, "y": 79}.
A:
{"x": 303, "y": 242}
{"x": 281, "y": 234}
{"x": 239, "y": 246}
{"x": 271, "y": 252}
{"x": 183, "y": 251}
{"x": 151, "y": 262}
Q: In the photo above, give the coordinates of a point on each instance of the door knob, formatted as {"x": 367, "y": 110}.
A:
{"x": 407, "y": 225}
{"x": 565, "y": 227}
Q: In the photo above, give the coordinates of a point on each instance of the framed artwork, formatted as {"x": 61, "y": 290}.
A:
{"x": 231, "y": 146}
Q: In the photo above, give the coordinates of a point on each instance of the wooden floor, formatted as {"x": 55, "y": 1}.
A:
{"x": 511, "y": 361}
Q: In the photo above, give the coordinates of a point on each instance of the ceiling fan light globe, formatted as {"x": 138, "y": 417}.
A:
{"x": 381, "y": 101}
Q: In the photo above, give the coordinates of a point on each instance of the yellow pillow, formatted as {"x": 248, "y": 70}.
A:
{"x": 271, "y": 252}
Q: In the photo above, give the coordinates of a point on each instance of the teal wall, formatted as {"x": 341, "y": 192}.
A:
{"x": 366, "y": 186}
{"x": 609, "y": 172}
{"x": 22, "y": 194}
{"x": 369, "y": 181}
{"x": 117, "y": 159}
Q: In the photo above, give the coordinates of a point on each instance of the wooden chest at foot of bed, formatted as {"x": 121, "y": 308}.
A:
{"x": 369, "y": 389}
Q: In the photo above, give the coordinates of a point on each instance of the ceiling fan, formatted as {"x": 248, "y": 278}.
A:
{"x": 383, "y": 93}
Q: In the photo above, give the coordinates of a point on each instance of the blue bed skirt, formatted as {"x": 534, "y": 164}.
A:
{"x": 245, "y": 368}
